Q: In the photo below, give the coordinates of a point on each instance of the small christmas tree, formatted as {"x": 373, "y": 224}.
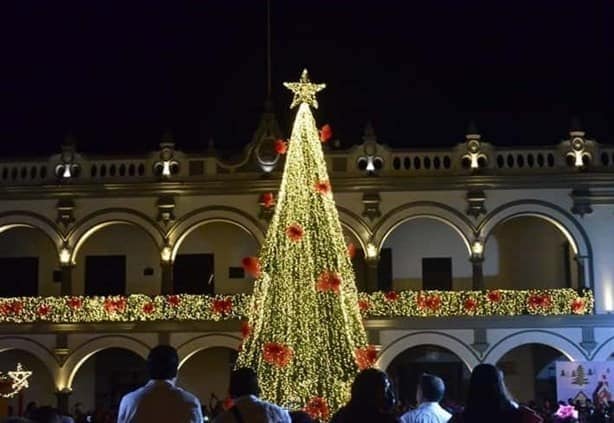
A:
{"x": 579, "y": 378}
{"x": 305, "y": 336}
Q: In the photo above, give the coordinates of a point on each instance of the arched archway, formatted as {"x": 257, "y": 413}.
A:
{"x": 43, "y": 354}
{"x": 605, "y": 351}
{"x": 207, "y": 259}
{"x": 28, "y": 259}
{"x": 117, "y": 257}
{"x": 406, "y": 368}
{"x": 555, "y": 340}
{"x": 32, "y": 220}
{"x": 41, "y": 382}
{"x": 423, "y": 252}
{"x": 80, "y": 355}
{"x": 530, "y": 372}
{"x": 105, "y": 376}
{"x": 567, "y": 225}
{"x": 529, "y": 252}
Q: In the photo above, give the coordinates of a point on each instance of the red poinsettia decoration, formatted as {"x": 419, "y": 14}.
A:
{"x": 323, "y": 187}
{"x": 318, "y": 409}
{"x": 470, "y": 304}
{"x": 268, "y": 200}
{"x": 75, "y": 303}
{"x": 430, "y": 302}
{"x": 115, "y": 305}
{"x": 251, "y": 266}
{"x": 539, "y": 301}
{"x": 364, "y": 305}
{"x": 391, "y": 296}
{"x": 246, "y": 329}
{"x": 494, "y": 296}
{"x": 222, "y": 306}
{"x": 173, "y": 300}
{"x": 149, "y": 308}
{"x": 11, "y": 307}
{"x": 351, "y": 251}
{"x": 365, "y": 357}
{"x": 43, "y": 310}
{"x": 295, "y": 232}
{"x": 277, "y": 354}
{"x": 578, "y": 306}
{"x": 326, "y": 133}
{"x": 329, "y": 282}
{"x": 281, "y": 146}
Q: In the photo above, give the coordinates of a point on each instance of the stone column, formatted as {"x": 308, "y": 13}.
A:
{"x": 478, "y": 273}
{"x": 372, "y": 273}
{"x": 167, "y": 277}
{"x": 62, "y": 400}
{"x": 66, "y": 284}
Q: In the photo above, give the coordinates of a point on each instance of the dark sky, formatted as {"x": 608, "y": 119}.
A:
{"x": 117, "y": 73}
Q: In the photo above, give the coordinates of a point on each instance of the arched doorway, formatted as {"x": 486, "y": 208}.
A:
{"x": 29, "y": 263}
{"x": 407, "y": 367}
{"x": 42, "y": 386}
{"x": 206, "y": 374}
{"x": 105, "y": 377}
{"x": 529, "y": 252}
{"x": 530, "y": 372}
{"x": 117, "y": 258}
{"x": 424, "y": 253}
{"x": 208, "y": 259}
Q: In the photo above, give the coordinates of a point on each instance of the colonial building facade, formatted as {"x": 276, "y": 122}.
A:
{"x": 474, "y": 216}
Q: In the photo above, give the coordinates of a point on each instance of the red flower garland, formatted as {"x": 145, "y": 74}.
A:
{"x": 364, "y": 305}
{"x": 326, "y": 133}
{"x": 578, "y": 306}
{"x": 246, "y": 329}
{"x": 430, "y": 302}
{"x": 323, "y": 187}
{"x": 222, "y": 306}
{"x": 173, "y": 300}
{"x": 391, "y": 296}
{"x": 494, "y": 296}
{"x": 267, "y": 200}
{"x": 112, "y": 305}
{"x": 295, "y": 232}
{"x": 365, "y": 357}
{"x": 351, "y": 250}
{"x": 149, "y": 308}
{"x": 539, "y": 301}
{"x": 251, "y": 265}
{"x": 12, "y": 307}
{"x": 43, "y": 310}
{"x": 328, "y": 281}
{"x": 470, "y": 304}
{"x": 279, "y": 355}
{"x": 281, "y": 146}
{"x": 75, "y": 303}
{"x": 318, "y": 409}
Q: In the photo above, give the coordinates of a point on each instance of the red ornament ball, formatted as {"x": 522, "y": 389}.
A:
{"x": 295, "y": 232}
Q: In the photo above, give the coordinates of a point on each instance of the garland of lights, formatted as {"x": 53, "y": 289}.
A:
{"x": 391, "y": 304}
{"x": 18, "y": 380}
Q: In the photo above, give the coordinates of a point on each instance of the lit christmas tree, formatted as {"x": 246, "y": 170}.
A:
{"x": 305, "y": 336}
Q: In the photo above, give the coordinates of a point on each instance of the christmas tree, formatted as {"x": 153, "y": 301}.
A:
{"x": 305, "y": 336}
{"x": 579, "y": 377}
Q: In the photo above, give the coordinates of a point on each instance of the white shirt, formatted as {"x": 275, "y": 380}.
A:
{"x": 427, "y": 412}
{"x": 160, "y": 401}
{"x": 254, "y": 410}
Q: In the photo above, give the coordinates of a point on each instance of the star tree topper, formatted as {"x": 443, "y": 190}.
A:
{"x": 304, "y": 91}
{"x": 19, "y": 379}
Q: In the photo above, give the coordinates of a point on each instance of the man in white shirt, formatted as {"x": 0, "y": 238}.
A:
{"x": 430, "y": 391}
{"x": 160, "y": 400}
{"x": 247, "y": 407}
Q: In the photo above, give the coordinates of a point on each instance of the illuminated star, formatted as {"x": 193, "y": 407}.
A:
{"x": 19, "y": 378}
{"x": 304, "y": 91}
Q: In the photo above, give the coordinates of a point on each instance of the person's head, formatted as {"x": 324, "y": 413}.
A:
{"x": 430, "y": 389}
{"x": 46, "y": 415}
{"x": 244, "y": 381}
{"x": 487, "y": 391}
{"x": 299, "y": 416}
{"x": 162, "y": 363}
{"x": 371, "y": 389}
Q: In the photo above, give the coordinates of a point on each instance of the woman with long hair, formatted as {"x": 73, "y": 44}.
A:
{"x": 488, "y": 400}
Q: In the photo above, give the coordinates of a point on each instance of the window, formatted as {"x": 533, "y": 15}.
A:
{"x": 194, "y": 274}
{"x": 236, "y": 273}
{"x": 105, "y": 275}
{"x": 437, "y": 273}
{"x": 19, "y": 276}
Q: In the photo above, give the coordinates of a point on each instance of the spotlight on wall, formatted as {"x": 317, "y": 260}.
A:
{"x": 166, "y": 254}
{"x": 371, "y": 251}
{"x": 477, "y": 248}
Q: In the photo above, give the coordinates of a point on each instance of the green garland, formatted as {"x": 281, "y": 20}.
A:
{"x": 142, "y": 308}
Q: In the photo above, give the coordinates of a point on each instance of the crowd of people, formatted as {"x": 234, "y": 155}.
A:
{"x": 372, "y": 400}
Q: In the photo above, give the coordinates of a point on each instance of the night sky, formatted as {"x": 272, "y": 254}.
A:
{"x": 116, "y": 74}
